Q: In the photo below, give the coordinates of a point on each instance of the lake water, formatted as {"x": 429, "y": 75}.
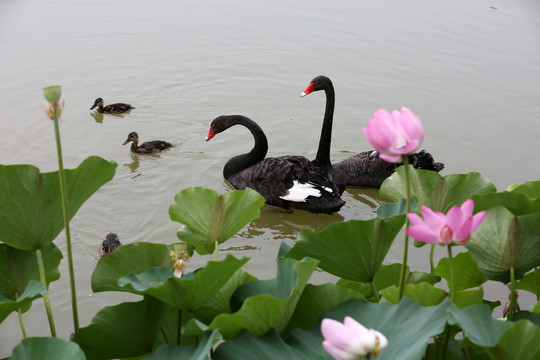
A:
{"x": 469, "y": 69}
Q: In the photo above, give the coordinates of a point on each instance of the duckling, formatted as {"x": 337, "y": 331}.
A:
{"x": 506, "y": 307}
{"x": 110, "y": 243}
{"x": 149, "y": 147}
{"x": 117, "y": 108}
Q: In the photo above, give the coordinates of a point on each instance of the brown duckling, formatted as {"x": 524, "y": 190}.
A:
{"x": 506, "y": 307}
{"x": 117, "y": 108}
{"x": 110, "y": 243}
{"x": 149, "y": 147}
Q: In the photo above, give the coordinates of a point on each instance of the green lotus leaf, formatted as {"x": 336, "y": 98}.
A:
{"x": 433, "y": 190}
{"x": 31, "y": 214}
{"x": 45, "y": 348}
{"x": 505, "y": 241}
{"x": 530, "y": 282}
{"x": 353, "y": 250}
{"x": 316, "y": 299}
{"x": 34, "y": 290}
{"x": 199, "y": 352}
{"x": 188, "y": 292}
{"x": 128, "y": 329}
{"x": 131, "y": 258}
{"x": 407, "y": 326}
{"x": 18, "y": 268}
{"x": 265, "y": 304}
{"x": 467, "y": 274}
{"x": 208, "y": 217}
{"x": 424, "y": 293}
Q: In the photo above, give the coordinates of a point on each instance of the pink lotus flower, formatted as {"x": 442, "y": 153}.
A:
{"x": 351, "y": 340}
{"x": 456, "y": 226}
{"x": 394, "y": 135}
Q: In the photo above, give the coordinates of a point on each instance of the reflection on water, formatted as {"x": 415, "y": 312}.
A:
{"x": 98, "y": 117}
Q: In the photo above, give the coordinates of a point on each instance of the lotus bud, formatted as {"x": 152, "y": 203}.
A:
{"x": 52, "y": 93}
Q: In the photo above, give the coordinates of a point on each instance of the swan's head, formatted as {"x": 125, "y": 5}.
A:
{"x": 320, "y": 82}
{"x": 132, "y": 137}
{"x": 223, "y": 122}
{"x": 98, "y": 102}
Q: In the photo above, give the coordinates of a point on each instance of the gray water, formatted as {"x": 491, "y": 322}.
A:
{"x": 469, "y": 69}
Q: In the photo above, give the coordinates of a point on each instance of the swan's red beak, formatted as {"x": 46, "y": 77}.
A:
{"x": 308, "y": 90}
{"x": 210, "y": 134}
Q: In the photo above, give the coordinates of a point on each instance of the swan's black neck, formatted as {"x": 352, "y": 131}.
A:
{"x": 323, "y": 153}
{"x": 258, "y": 153}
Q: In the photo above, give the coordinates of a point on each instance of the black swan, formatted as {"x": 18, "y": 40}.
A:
{"x": 286, "y": 181}
{"x": 149, "y": 147}
{"x": 117, "y": 108}
{"x": 364, "y": 169}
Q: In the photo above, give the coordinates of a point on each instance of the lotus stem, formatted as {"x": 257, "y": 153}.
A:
{"x": 536, "y": 283}
{"x": 512, "y": 307}
{"x": 406, "y": 241}
{"x": 375, "y": 291}
{"x": 63, "y": 193}
{"x": 21, "y": 318}
{"x": 43, "y": 279}
{"x": 431, "y": 264}
{"x": 451, "y": 284}
{"x": 216, "y": 250}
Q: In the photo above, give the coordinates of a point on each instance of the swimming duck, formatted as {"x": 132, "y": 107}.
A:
{"x": 110, "y": 243}
{"x": 149, "y": 147}
{"x": 117, "y": 108}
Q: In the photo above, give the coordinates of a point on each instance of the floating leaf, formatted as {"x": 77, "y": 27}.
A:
{"x": 31, "y": 214}
{"x": 467, "y": 274}
{"x": 431, "y": 189}
{"x": 266, "y": 304}
{"x": 34, "y": 290}
{"x": 208, "y": 217}
{"x": 353, "y": 250}
{"x": 188, "y": 292}
{"x": 505, "y": 241}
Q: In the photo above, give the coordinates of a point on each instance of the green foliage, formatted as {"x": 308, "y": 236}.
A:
{"x": 208, "y": 217}
{"x": 467, "y": 273}
{"x": 34, "y": 290}
{"x": 407, "y": 326}
{"x": 188, "y": 292}
{"x": 194, "y": 352}
{"x": 433, "y": 190}
{"x": 18, "y": 268}
{"x": 265, "y": 304}
{"x": 31, "y": 206}
{"x": 530, "y": 282}
{"x": 352, "y": 250}
{"x": 128, "y": 329}
{"x": 126, "y": 259}
{"x": 47, "y": 349}
{"x": 506, "y": 241}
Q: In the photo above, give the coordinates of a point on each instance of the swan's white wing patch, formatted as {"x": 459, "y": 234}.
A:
{"x": 299, "y": 192}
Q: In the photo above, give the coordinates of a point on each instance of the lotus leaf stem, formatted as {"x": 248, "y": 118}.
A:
{"x": 43, "y": 279}
{"x": 406, "y": 241}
